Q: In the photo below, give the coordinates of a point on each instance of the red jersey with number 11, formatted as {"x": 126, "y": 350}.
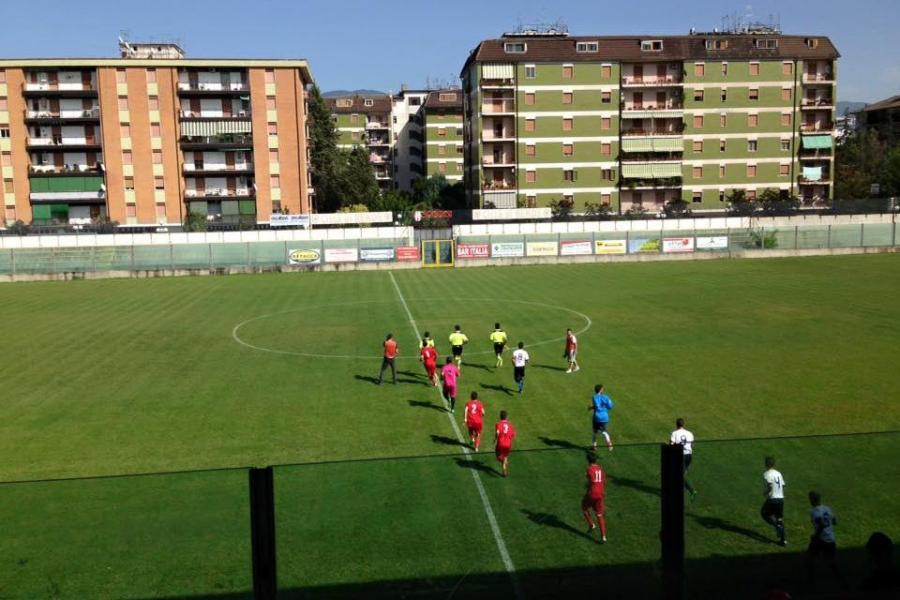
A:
{"x": 506, "y": 433}
{"x": 597, "y": 480}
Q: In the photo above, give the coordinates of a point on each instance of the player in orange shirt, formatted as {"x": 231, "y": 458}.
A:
{"x": 594, "y": 496}
{"x": 390, "y": 354}
{"x": 474, "y": 419}
{"x": 429, "y": 358}
{"x": 504, "y": 434}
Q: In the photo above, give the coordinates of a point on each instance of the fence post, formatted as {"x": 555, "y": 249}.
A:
{"x": 172, "y": 257}
{"x": 93, "y": 259}
{"x": 132, "y": 257}
{"x": 209, "y": 246}
{"x": 12, "y": 261}
{"x": 627, "y": 242}
{"x": 829, "y": 238}
{"x": 893, "y": 234}
{"x": 796, "y": 237}
{"x": 262, "y": 533}
{"x": 862, "y": 235}
{"x": 249, "y": 265}
{"x": 672, "y": 525}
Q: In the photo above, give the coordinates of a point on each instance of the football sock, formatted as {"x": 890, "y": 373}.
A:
{"x": 602, "y": 520}
{"x": 587, "y": 517}
{"x": 606, "y": 437}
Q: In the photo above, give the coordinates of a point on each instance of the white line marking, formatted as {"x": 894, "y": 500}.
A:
{"x": 489, "y": 511}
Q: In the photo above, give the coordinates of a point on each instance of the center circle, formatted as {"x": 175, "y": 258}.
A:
{"x": 236, "y": 332}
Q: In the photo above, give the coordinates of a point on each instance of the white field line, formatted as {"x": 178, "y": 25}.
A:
{"x": 489, "y": 511}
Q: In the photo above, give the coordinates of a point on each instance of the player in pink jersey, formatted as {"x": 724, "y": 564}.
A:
{"x": 449, "y": 374}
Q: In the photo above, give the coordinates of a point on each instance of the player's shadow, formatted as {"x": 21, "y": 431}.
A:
{"x": 634, "y": 484}
{"x": 421, "y": 404}
{"x": 369, "y": 378}
{"x": 447, "y": 441}
{"x": 561, "y": 443}
{"x": 722, "y": 525}
{"x": 549, "y": 520}
{"x": 476, "y": 465}
{"x": 549, "y": 367}
{"x": 497, "y": 388}
{"x": 475, "y": 366}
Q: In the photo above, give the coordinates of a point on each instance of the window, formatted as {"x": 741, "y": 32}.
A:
{"x": 120, "y": 76}
{"x": 754, "y": 68}
{"x": 157, "y": 157}
{"x": 697, "y": 197}
{"x": 2, "y": 75}
{"x": 568, "y": 123}
{"x": 131, "y": 211}
{"x": 698, "y": 121}
{"x": 723, "y": 144}
{"x": 368, "y": 102}
{"x": 442, "y": 167}
{"x": 459, "y": 131}
{"x": 155, "y": 130}
{"x": 274, "y": 181}
{"x": 343, "y": 103}
{"x": 270, "y": 76}
{"x": 159, "y": 183}
{"x": 651, "y": 46}
{"x": 698, "y": 146}
{"x": 786, "y": 94}
{"x": 530, "y": 176}
{"x": 751, "y": 170}
{"x": 605, "y": 97}
{"x": 606, "y": 149}
{"x": 787, "y": 68}
{"x": 124, "y": 131}
{"x": 752, "y": 145}
{"x": 161, "y": 212}
{"x": 355, "y": 136}
{"x": 123, "y": 103}
{"x": 785, "y": 145}
{"x": 8, "y": 186}
{"x": 460, "y": 150}
{"x": 751, "y": 194}
{"x": 354, "y": 119}
{"x": 716, "y": 44}
{"x": 605, "y": 199}
{"x": 752, "y": 120}
{"x": 753, "y": 94}
{"x": 569, "y": 175}
{"x": 529, "y": 98}
{"x": 153, "y": 103}
{"x": 587, "y": 47}
{"x": 127, "y": 158}
{"x": 605, "y": 123}
{"x": 766, "y": 43}
{"x": 273, "y": 157}
{"x": 442, "y": 149}
{"x": 724, "y": 68}
{"x": 698, "y": 95}
{"x": 721, "y": 195}
{"x": 605, "y": 71}
{"x": 812, "y": 43}
{"x": 721, "y": 171}
{"x": 786, "y": 119}
{"x": 699, "y": 69}
{"x": 568, "y": 71}
{"x": 442, "y": 131}
{"x": 5, "y": 159}
{"x": 531, "y": 201}
{"x": 567, "y": 98}
{"x": 447, "y": 97}
{"x": 272, "y": 128}
{"x": 270, "y": 102}
{"x": 784, "y": 170}
{"x": 530, "y": 71}
{"x": 723, "y": 120}
{"x": 529, "y": 124}
{"x": 129, "y": 183}
{"x": 606, "y": 174}
{"x": 4, "y": 106}
{"x": 697, "y": 172}
{"x": 530, "y": 150}
{"x": 724, "y": 94}
{"x": 568, "y": 149}
{"x": 151, "y": 75}
{"x": 515, "y": 47}
{"x": 415, "y": 101}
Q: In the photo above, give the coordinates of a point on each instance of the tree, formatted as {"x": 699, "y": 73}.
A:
{"x": 325, "y": 158}
{"x": 859, "y": 162}
{"x": 740, "y": 205}
{"x": 427, "y": 191}
{"x": 356, "y": 180}
{"x": 774, "y": 202}
{"x": 677, "y": 208}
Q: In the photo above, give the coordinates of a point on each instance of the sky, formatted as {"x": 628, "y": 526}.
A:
{"x": 380, "y": 44}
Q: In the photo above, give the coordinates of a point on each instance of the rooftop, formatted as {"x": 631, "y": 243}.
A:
{"x": 444, "y": 99}
{"x": 367, "y": 104}
{"x": 892, "y": 102}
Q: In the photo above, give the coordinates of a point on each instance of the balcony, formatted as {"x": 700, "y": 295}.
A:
{"x": 378, "y": 141}
{"x": 60, "y": 143}
{"x": 493, "y": 135}
{"x": 652, "y": 81}
{"x": 652, "y": 106}
{"x": 188, "y": 115}
{"x": 818, "y": 126}
{"x": 191, "y": 170}
{"x": 818, "y": 78}
{"x": 815, "y": 154}
{"x": 637, "y": 132}
{"x": 65, "y": 171}
{"x": 491, "y": 185}
{"x": 60, "y": 90}
{"x": 817, "y": 104}
{"x": 378, "y": 159}
{"x": 499, "y": 107}
{"x": 219, "y": 194}
{"x": 213, "y": 89}
{"x": 499, "y": 160}
{"x": 377, "y": 125}
{"x": 67, "y": 116}
{"x": 222, "y": 142}
{"x": 493, "y": 83}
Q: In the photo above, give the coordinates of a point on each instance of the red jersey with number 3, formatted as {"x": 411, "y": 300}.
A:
{"x": 474, "y": 412}
{"x": 597, "y": 479}
{"x": 429, "y": 355}
{"x": 506, "y": 433}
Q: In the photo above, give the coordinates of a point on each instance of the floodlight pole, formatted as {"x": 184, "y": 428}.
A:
{"x": 262, "y": 533}
{"x": 672, "y": 525}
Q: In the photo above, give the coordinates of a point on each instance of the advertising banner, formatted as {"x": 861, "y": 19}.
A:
{"x": 717, "y": 242}
{"x": 473, "y": 251}
{"x": 575, "y": 248}
{"x": 341, "y": 255}
{"x": 682, "y": 244}
{"x": 638, "y": 245}
{"x": 408, "y": 253}
{"x": 507, "y": 249}
{"x": 279, "y": 220}
{"x": 304, "y": 257}
{"x": 542, "y": 249}
{"x": 376, "y": 254}
{"x": 610, "y": 247}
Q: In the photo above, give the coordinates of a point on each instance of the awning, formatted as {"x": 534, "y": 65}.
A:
{"x": 666, "y": 170}
{"x": 815, "y": 142}
{"x": 661, "y": 144}
{"x": 497, "y": 71}
{"x": 812, "y": 173}
{"x": 637, "y": 171}
{"x": 637, "y": 145}
{"x": 651, "y": 170}
{"x": 211, "y": 128}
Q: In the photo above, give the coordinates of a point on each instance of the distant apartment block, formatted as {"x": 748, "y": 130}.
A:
{"x": 883, "y": 117}
{"x": 150, "y": 137}
{"x": 408, "y": 137}
{"x": 365, "y": 121}
{"x": 642, "y": 121}
{"x": 443, "y": 125}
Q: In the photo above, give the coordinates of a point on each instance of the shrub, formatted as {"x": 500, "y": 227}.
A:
{"x": 766, "y": 240}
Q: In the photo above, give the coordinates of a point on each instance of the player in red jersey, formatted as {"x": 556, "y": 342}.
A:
{"x": 571, "y": 352}
{"x": 594, "y": 496}
{"x": 474, "y": 419}
{"x": 429, "y": 358}
{"x": 504, "y": 434}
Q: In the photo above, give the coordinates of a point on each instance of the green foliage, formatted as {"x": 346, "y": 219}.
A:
{"x": 636, "y": 212}
{"x": 354, "y": 208}
{"x": 760, "y": 238}
{"x": 19, "y": 228}
{"x": 677, "y": 208}
{"x": 325, "y": 160}
{"x": 597, "y": 211}
{"x": 357, "y": 181}
{"x": 863, "y": 159}
{"x": 561, "y": 210}
{"x": 195, "y": 222}
{"x": 740, "y": 205}
{"x": 774, "y": 202}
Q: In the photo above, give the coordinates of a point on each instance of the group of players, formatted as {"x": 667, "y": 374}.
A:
{"x": 592, "y": 505}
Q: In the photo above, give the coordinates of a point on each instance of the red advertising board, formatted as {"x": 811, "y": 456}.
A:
{"x": 473, "y": 251}
{"x": 407, "y": 253}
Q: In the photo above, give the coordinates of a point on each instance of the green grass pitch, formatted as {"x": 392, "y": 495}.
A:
{"x": 105, "y": 378}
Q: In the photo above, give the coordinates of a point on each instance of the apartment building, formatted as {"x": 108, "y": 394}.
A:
{"x": 152, "y": 136}
{"x": 365, "y": 121}
{"x": 642, "y": 121}
{"x": 408, "y": 137}
{"x": 443, "y": 125}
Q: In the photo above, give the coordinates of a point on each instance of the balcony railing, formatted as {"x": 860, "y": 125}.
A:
{"x": 652, "y": 81}
{"x": 377, "y": 125}
{"x": 486, "y": 82}
{"x": 46, "y": 86}
{"x": 93, "y": 113}
{"x": 506, "y": 134}
{"x": 654, "y": 106}
{"x": 812, "y": 103}
{"x": 219, "y": 193}
{"x": 213, "y": 87}
{"x": 815, "y": 154}
{"x": 377, "y": 159}
{"x": 497, "y": 107}
{"x": 226, "y": 140}
{"x": 808, "y": 127}
{"x": 498, "y": 185}
{"x": 189, "y": 114}
{"x": 61, "y": 142}
{"x": 650, "y": 132}
{"x": 501, "y": 160}
{"x": 817, "y": 77}
{"x": 825, "y": 179}
{"x": 65, "y": 169}
{"x": 206, "y": 169}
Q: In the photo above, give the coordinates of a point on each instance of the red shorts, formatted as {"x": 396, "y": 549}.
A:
{"x": 430, "y": 368}
{"x": 502, "y": 452}
{"x": 475, "y": 428}
{"x": 596, "y": 503}
{"x": 449, "y": 392}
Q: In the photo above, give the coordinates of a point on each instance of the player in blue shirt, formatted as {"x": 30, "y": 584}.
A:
{"x": 822, "y": 542}
{"x": 600, "y": 406}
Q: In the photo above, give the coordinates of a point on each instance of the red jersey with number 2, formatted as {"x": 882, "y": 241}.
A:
{"x": 506, "y": 433}
{"x": 597, "y": 479}
{"x": 474, "y": 413}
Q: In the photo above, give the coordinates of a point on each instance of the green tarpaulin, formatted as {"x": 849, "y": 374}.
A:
{"x": 651, "y": 170}
{"x": 666, "y": 144}
{"x": 817, "y": 142}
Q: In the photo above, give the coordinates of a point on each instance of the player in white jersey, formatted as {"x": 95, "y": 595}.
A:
{"x": 520, "y": 359}
{"x": 773, "y": 491}
{"x": 684, "y": 438}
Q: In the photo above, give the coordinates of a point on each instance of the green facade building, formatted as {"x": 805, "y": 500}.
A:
{"x": 365, "y": 121}
{"x": 443, "y": 125}
{"x": 644, "y": 121}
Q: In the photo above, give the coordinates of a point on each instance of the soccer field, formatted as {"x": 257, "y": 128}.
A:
{"x": 105, "y": 378}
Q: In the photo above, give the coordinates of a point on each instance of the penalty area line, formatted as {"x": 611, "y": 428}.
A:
{"x": 485, "y": 501}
